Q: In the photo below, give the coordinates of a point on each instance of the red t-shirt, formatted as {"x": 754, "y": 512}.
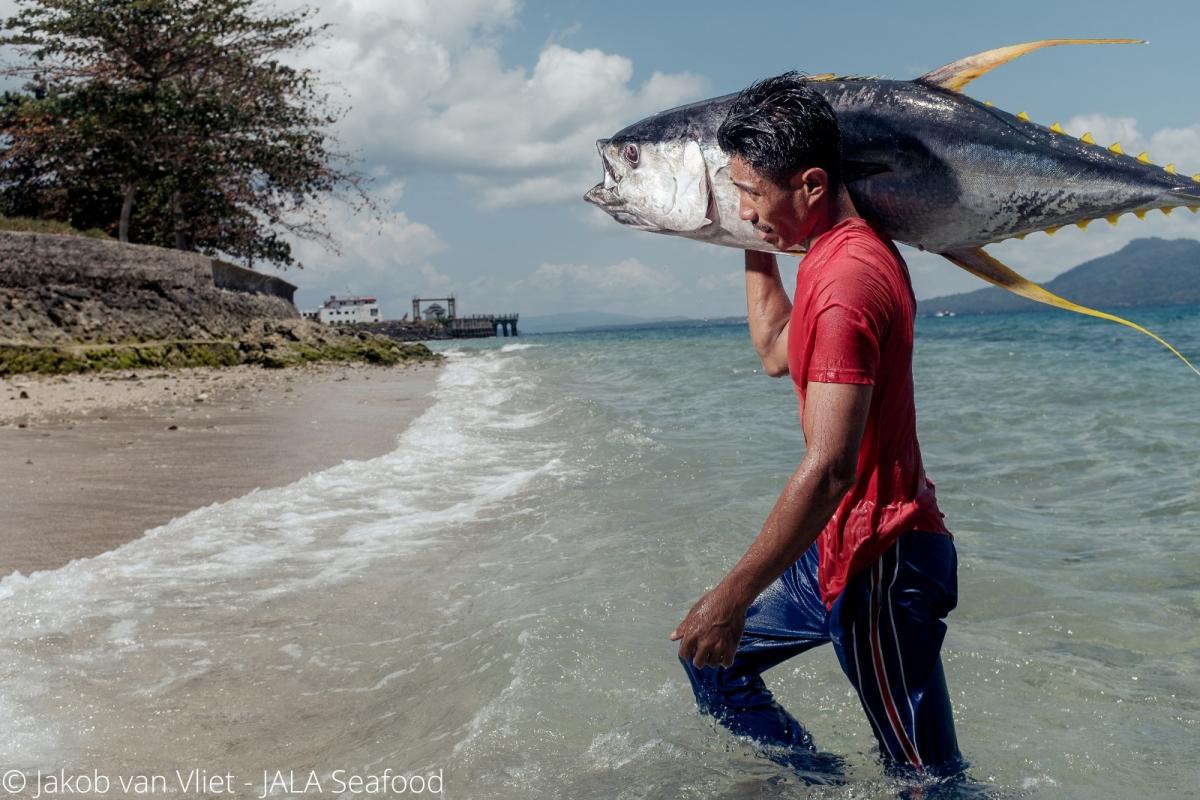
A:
{"x": 852, "y": 322}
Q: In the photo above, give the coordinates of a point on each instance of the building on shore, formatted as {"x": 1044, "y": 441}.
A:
{"x": 345, "y": 310}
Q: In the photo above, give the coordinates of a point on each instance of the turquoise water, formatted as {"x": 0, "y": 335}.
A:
{"x": 493, "y": 599}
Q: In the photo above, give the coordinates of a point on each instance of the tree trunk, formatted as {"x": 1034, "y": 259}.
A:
{"x": 183, "y": 241}
{"x": 126, "y": 212}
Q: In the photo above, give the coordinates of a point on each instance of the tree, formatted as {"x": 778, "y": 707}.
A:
{"x": 171, "y": 122}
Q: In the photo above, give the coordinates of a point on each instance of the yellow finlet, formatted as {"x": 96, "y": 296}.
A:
{"x": 957, "y": 74}
{"x": 982, "y": 265}
{"x": 1056, "y": 128}
{"x": 1140, "y": 213}
{"x": 1144, "y": 157}
{"x": 1115, "y": 147}
{"x": 988, "y": 103}
{"x": 1170, "y": 168}
{"x": 1082, "y": 224}
{"x": 1166, "y": 211}
{"x": 1023, "y": 116}
{"x": 1112, "y": 218}
{"x": 1053, "y": 230}
{"x": 1087, "y": 138}
{"x": 1020, "y": 235}
{"x": 1193, "y": 209}
{"x": 1196, "y": 177}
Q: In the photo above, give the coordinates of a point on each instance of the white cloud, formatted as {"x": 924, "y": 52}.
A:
{"x": 623, "y": 278}
{"x": 372, "y": 253}
{"x": 429, "y": 90}
{"x": 629, "y": 285}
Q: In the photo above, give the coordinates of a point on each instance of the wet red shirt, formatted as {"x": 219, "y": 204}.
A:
{"x": 852, "y": 322}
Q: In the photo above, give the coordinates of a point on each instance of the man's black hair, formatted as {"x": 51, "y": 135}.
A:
{"x": 781, "y": 126}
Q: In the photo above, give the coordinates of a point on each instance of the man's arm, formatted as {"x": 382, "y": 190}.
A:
{"x": 768, "y": 310}
{"x": 835, "y": 415}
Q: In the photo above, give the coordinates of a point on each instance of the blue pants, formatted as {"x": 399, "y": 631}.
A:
{"x": 887, "y": 629}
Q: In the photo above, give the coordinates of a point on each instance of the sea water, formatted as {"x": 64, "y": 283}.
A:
{"x": 489, "y": 605}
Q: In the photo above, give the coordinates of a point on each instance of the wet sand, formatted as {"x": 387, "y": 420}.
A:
{"x": 88, "y": 463}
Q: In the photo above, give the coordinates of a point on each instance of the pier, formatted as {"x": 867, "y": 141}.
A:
{"x": 479, "y": 325}
{"x": 472, "y": 326}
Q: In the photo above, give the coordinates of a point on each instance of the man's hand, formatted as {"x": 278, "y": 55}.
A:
{"x": 711, "y": 630}
{"x": 768, "y": 311}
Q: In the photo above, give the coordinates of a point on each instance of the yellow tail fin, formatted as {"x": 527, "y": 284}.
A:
{"x": 982, "y": 265}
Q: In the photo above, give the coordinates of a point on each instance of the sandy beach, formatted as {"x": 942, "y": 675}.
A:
{"x": 88, "y": 462}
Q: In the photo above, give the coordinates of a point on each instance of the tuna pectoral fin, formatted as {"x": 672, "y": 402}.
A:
{"x": 958, "y": 74}
{"x": 982, "y": 265}
{"x": 857, "y": 170}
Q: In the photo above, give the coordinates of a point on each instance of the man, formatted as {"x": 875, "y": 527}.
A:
{"x": 854, "y": 551}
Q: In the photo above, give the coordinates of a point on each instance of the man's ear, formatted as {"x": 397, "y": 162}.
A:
{"x": 814, "y": 181}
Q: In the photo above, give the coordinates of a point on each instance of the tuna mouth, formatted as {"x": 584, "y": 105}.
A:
{"x": 601, "y": 195}
{"x": 606, "y": 199}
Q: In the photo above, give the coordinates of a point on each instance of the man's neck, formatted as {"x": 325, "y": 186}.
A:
{"x": 839, "y": 211}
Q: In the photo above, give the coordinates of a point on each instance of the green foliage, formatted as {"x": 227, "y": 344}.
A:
{"x": 62, "y": 359}
{"x": 27, "y": 225}
{"x": 175, "y": 122}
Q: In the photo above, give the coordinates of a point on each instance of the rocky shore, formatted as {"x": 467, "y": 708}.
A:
{"x": 263, "y": 343}
{"x": 72, "y": 304}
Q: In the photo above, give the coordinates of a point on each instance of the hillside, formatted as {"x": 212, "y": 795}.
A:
{"x": 1146, "y": 272}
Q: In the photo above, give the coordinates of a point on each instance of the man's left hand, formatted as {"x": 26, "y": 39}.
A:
{"x": 711, "y": 630}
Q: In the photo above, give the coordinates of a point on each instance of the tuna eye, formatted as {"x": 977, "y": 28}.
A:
{"x": 631, "y": 154}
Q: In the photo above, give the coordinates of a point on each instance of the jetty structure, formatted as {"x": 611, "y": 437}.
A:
{"x": 432, "y": 318}
{"x": 466, "y": 327}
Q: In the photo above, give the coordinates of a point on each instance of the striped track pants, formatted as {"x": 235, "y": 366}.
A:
{"x": 887, "y": 630}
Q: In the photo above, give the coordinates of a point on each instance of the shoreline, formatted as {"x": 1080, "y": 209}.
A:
{"x": 90, "y": 462}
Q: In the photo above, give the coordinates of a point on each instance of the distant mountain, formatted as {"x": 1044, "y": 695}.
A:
{"x": 1146, "y": 272}
{"x": 673, "y": 322}
{"x": 569, "y": 321}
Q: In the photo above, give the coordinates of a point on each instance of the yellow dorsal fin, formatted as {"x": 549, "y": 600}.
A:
{"x": 1057, "y": 128}
{"x": 1144, "y": 157}
{"x": 1170, "y": 168}
{"x": 1023, "y": 116}
{"x": 1115, "y": 147}
{"x": 1087, "y": 138}
{"x": 957, "y": 74}
{"x": 1112, "y": 218}
{"x": 1082, "y": 224}
{"x": 1053, "y": 230}
{"x": 980, "y": 264}
{"x": 1140, "y": 213}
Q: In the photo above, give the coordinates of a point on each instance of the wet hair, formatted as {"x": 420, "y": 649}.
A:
{"x": 781, "y": 126}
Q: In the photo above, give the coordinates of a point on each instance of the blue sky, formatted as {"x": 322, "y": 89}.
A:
{"x": 476, "y": 119}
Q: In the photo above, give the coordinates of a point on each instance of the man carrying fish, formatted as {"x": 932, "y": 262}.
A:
{"x": 854, "y": 552}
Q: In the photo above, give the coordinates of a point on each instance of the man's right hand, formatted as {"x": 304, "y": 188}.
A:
{"x": 711, "y": 630}
{"x": 768, "y": 310}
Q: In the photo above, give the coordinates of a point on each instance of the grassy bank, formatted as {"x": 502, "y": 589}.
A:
{"x": 23, "y": 358}
{"x": 27, "y": 225}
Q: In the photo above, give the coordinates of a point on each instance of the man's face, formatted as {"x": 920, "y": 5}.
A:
{"x": 781, "y": 214}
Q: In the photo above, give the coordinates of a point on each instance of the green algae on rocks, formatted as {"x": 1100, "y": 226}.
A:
{"x": 276, "y": 346}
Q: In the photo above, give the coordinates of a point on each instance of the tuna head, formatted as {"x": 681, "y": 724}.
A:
{"x": 658, "y": 186}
